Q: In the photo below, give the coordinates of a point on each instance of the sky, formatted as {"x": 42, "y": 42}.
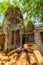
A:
{"x": 1, "y": 18}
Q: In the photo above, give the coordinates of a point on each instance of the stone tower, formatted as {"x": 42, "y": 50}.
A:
{"x": 12, "y": 27}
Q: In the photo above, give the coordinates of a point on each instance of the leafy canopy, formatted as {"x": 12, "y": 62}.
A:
{"x": 33, "y": 8}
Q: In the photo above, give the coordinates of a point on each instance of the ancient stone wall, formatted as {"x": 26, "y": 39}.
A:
{"x": 29, "y": 33}
{"x": 37, "y": 37}
{"x": 14, "y": 32}
{"x": 2, "y": 41}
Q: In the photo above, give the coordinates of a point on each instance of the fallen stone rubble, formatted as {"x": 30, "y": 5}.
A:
{"x": 27, "y": 55}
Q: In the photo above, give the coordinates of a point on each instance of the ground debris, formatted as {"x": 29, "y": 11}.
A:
{"x": 24, "y": 56}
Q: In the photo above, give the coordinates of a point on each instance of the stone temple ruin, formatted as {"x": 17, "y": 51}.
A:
{"x": 14, "y": 34}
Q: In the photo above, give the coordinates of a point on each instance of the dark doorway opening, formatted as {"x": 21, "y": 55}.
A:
{"x": 18, "y": 37}
{"x": 2, "y": 46}
{"x": 41, "y": 36}
{"x": 23, "y": 39}
{"x": 12, "y": 37}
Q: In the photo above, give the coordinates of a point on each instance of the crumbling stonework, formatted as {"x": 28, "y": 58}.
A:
{"x": 13, "y": 33}
{"x": 12, "y": 27}
{"x": 37, "y": 37}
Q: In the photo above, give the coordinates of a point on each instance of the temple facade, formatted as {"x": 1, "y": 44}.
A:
{"x": 13, "y": 33}
{"x": 16, "y": 38}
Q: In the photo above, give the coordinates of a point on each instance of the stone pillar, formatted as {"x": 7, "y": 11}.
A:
{"x": 15, "y": 38}
{"x": 21, "y": 39}
{"x": 20, "y": 32}
{"x": 38, "y": 39}
{"x": 10, "y": 39}
{"x": 26, "y": 38}
{"x": 6, "y": 42}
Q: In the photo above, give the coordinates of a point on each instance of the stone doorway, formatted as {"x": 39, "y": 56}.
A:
{"x": 41, "y": 33}
{"x": 23, "y": 39}
{"x": 15, "y": 37}
{"x": 18, "y": 38}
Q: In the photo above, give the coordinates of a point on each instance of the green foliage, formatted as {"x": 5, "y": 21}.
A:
{"x": 4, "y": 5}
{"x": 0, "y": 23}
{"x": 32, "y": 7}
{"x": 15, "y": 2}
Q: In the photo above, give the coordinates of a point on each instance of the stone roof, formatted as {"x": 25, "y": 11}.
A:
{"x": 13, "y": 18}
{"x": 14, "y": 15}
{"x": 30, "y": 27}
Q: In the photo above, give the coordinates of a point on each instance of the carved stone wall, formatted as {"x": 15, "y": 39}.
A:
{"x": 38, "y": 39}
{"x": 29, "y": 32}
{"x": 11, "y": 26}
{"x": 2, "y": 41}
{"x": 17, "y": 38}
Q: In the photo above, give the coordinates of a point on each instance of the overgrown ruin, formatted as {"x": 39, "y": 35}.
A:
{"x": 20, "y": 45}
{"x": 14, "y": 34}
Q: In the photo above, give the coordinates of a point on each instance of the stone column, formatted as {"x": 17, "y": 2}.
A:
{"x": 20, "y": 32}
{"x": 21, "y": 39}
{"x": 15, "y": 38}
{"x": 10, "y": 39}
{"x": 6, "y": 42}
